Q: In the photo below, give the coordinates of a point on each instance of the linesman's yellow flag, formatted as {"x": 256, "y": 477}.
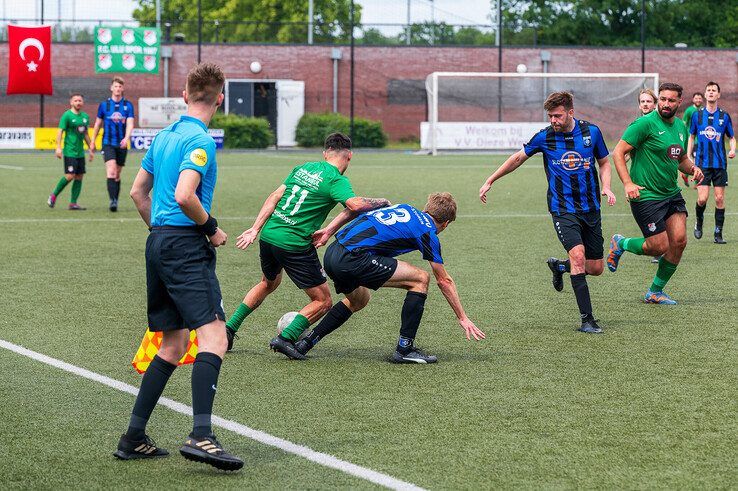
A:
{"x": 150, "y": 345}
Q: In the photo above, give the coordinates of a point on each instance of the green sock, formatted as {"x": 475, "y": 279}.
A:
{"x": 60, "y": 186}
{"x": 634, "y": 245}
{"x": 238, "y": 316}
{"x": 76, "y": 189}
{"x": 293, "y": 331}
{"x": 663, "y": 274}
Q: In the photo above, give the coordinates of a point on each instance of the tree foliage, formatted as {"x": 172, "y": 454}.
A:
{"x": 281, "y": 21}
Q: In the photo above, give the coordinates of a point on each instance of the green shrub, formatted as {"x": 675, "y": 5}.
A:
{"x": 313, "y": 128}
{"x": 243, "y": 132}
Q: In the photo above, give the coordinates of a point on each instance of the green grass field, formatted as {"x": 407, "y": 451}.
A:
{"x": 650, "y": 404}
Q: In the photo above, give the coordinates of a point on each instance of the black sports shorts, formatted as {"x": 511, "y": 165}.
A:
{"x": 351, "y": 269}
{"x": 574, "y": 229}
{"x": 303, "y": 267}
{"x": 651, "y": 215}
{"x": 182, "y": 289}
{"x": 111, "y": 152}
{"x": 714, "y": 177}
{"x": 74, "y": 165}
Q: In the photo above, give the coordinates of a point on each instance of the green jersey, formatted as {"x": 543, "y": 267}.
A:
{"x": 687, "y": 118}
{"x": 657, "y": 147}
{"x": 75, "y": 128}
{"x": 313, "y": 189}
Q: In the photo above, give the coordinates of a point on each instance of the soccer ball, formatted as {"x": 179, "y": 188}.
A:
{"x": 255, "y": 67}
{"x": 522, "y": 68}
{"x": 285, "y": 321}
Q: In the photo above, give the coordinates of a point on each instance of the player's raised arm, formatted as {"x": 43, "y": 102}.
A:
{"x": 513, "y": 162}
{"x": 448, "y": 287}
{"x": 249, "y": 236}
{"x": 141, "y": 194}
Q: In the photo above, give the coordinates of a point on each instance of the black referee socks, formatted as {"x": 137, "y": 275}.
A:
{"x": 152, "y": 385}
{"x": 204, "y": 385}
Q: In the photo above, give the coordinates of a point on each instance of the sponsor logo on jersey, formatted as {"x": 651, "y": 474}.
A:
{"x": 117, "y": 117}
{"x": 199, "y": 157}
{"x": 70, "y": 169}
{"x": 674, "y": 152}
{"x": 81, "y": 129}
{"x": 651, "y": 227}
{"x": 710, "y": 133}
{"x": 572, "y": 161}
{"x": 309, "y": 179}
{"x": 587, "y": 141}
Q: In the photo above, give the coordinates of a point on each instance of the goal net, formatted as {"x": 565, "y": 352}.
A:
{"x": 501, "y": 111}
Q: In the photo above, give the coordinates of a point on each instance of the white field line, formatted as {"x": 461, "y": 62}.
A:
{"x": 259, "y": 436}
{"x": 11, "y": 167}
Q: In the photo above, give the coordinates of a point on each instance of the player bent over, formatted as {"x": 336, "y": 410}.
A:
{"x": 363, "y": 257}
{"x": 570, "y": 148}
{"x": 173, "y": 192}
{"x": 657, "y": 147}
{"x": 73, "y": 124}
{"x": 289, "y": 217}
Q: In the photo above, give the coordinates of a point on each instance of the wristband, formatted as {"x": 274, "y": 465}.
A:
{"x": 209, "y": 227}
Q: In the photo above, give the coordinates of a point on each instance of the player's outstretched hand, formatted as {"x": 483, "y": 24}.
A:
{"x": 124, "y": 143}
{"x": 697, "y": 175}
{"x": 731, "y": 154}
{"x": 320, "y": 237}
{"x": 471, "y": 330}
{"x": 633, "y": 190}
{"x": 483, "y": 192}
{"x": 610, "y": 196}
{"x": 218, "y": 238}
{"x": 246, "y": 239}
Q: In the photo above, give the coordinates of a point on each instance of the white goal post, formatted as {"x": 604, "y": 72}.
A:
{"x": 496, "y": 111}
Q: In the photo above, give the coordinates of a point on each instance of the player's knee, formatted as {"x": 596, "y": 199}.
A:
{"x": 596, "y": 268}
{"x": 172, "y": 353}
{"x": 719, "y": 202}
{"x": 680, "y": 243}
{"x": 702, "y": 202}
{"x": 271, "y": 285}
{"x": 423, "y": 280}
{"x": 576, "y": 257}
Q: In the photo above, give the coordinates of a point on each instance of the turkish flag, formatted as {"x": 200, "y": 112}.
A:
{"x": 29, "y": 60}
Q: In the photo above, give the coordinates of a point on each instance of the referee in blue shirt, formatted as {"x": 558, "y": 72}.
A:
{"x": 570, "y": 149}
{"x": 173, "y": 192}
{"x": 115, "y": 115}
{"x": 708, "y": 129}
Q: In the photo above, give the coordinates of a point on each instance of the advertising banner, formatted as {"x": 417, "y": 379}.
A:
{"x": 17, "y": 138}
{"x": 141, "y": 138}
{"x": 479, "y": 136}
{"x": 160, "y": 112}
{"x": 127, "y": 50}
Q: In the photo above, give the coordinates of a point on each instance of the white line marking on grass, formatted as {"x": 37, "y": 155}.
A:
{"x": 11, "y": 167}
{"x": 323, "y": 459}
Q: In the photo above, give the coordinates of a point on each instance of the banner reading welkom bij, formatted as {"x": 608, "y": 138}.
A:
{"x": 127, "y": 50}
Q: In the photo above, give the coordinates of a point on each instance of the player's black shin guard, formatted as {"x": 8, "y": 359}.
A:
{"x": 719, "y": 220}
{"x": 152, "y": 385}
{"x": 581, "y": 291}
{"x": 334, "y": 319}
{"x": 204, "y": 382}
{"x": 412, "y": 312}
{"x": 700, "y": 213}
{"x": 117, "y": 190}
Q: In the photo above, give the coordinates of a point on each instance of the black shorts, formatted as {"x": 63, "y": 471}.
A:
{"x": 351, "y": 269}
{"x": 303, "y": 267}
{"x": 181, "y": 287}
{"x": 714, "y": 177}
{"x": 74, "y": 165}
{"x": 585, "y": 229}
{"x": 651, "y": 215}
{"x": 111, "y": 152}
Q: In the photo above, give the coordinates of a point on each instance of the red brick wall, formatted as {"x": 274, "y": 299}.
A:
{"x": 374, "y": 68}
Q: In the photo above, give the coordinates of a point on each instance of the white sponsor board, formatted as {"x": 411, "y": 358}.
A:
{"x": 479, "y": 136}
{"x": 159, "y": 112}
{"x": 141, "y": 138}
{"x": 17, "y": 138}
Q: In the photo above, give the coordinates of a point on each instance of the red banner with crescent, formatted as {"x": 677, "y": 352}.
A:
{"x": 29, "y": 60}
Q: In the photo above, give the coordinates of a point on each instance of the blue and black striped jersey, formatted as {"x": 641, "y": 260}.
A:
{"x": 709, "y": 130}
{"x": 570, "y": 161}
{"x": 114, "y": 116}
{"x": 392, "y": 231}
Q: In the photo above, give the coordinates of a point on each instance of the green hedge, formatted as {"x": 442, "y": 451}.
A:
{"x": 243, "y": 132}
{"x": 313, "y": 128}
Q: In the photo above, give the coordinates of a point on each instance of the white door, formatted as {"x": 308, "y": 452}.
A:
{"x": 290, "y": 108}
